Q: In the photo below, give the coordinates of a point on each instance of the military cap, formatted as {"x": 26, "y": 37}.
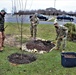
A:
{"x": 3, "y": 11}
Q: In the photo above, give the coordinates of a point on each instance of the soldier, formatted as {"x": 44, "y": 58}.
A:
{"x": 34, "y": 22}
{"x": 2, "y": 36}
{"x": 62, "y": 32}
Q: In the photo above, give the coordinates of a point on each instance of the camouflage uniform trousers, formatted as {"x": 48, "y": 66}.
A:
{"x": 61, "y": 42}
{"x": 33, "y": 30}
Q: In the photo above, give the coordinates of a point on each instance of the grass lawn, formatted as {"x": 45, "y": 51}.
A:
{"x": 46, "y": 64}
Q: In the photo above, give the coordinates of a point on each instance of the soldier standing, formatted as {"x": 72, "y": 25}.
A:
{"x": 34, "y": 22}
{"x": 2, "y": 36}
{"x": 62, "y": 32}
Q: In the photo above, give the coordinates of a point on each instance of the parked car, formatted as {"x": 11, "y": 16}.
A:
{"x": 41, "y": 17}
{"x": 65, "y": 17}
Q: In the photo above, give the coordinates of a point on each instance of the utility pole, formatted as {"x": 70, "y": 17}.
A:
{"x": 54, "y": 3}
{"x": 54, "y": 9}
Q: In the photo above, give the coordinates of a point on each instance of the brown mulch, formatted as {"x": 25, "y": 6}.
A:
{"x": 18, "y": 58}
{"x": 40, "y": 45}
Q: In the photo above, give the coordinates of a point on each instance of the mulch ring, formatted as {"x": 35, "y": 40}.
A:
{"x": 18, "y": 58}
{"x": 40, "y": 45}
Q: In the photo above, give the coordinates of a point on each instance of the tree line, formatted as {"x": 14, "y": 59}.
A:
{"x": 47, "y": 11}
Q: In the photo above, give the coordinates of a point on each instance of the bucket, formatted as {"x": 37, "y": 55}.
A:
{"x": 68, "y": 59}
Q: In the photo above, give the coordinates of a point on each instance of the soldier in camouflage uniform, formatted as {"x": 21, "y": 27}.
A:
{"x": 62, "y": 32}
{"x": 2, "y": 36}
{"x": 34, "y": 22}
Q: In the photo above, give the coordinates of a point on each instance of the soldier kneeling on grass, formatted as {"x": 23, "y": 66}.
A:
{"x": 61, "y": 38}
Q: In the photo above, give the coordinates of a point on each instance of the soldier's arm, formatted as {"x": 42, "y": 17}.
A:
{"x": 57, "y": 34}
{"x": 65, "y": 31}
{"x": 37, "y": 20}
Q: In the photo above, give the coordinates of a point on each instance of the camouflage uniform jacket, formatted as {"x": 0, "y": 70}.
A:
{"x": 1, "y": 23}
{"x": 61, "y": 31}
{"x": 34, "y": 21}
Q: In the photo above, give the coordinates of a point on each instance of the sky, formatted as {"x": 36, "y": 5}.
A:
{"x": 66, "y": 5}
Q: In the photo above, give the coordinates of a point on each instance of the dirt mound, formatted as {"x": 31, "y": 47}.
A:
{"x": 21, "y": 58}
{"x": 40, "y": 45}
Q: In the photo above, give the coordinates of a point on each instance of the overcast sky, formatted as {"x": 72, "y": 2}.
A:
{"x": 66, "y": 5}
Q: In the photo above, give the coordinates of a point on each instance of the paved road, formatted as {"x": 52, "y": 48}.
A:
{"x": 15, "y": 19}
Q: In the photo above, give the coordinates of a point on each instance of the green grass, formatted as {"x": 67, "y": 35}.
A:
{"x": 46, "y": 64}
